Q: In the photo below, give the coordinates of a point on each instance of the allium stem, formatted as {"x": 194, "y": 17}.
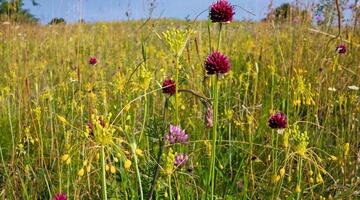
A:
{"x": 214, "y": 137}
{"x": 137, "y": 170}
{"x": 103, "y": 172}
{"x": 219, "y": 38}
{"x": 300, "y": 176}
{"x": 177, "y": 90}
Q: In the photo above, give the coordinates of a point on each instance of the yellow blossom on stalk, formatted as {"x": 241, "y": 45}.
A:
{"x": 169, "y": 162}
{"x": 116, "y": 159}
{"x": 319, "y": 178}
{"x": 311, "y": 180}
{"x": 65, "y": 157}
{"x": 282, "y": 172}
{"x": 81, "y": 172}
{"x": 107, "y": 167}
{"x": 112, "y": 169}
{"x": 311, "y": 172}
{"x": 346, "y": 149}
{"x": 286, "y": 139}
{"x": 88, "y": 168}
{"x": 333, "y": 158}
{"x": 62, "y": 119}
{"x": 301, "y": 139}
{"x": 127, "y": 164}
{"x": 176, "y": 39}
{"x": 127, "y": 108}
{"x": 97, "y": 156}
{"x": 68, "y": 161}
{"x": 297, "y": 189}
{"x": 139, "y": 152}
{"x": 289, "y": 179}
{"x": 85, "y": 162}
{"x": 275, "y": 178}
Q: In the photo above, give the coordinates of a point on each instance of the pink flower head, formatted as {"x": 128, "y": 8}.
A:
{"x": 217, "y": 63}
{"x": 277, "y": 121}
{"x": 181, "y": 159}
{"x": 176, "y": 135}
{"x": 60, "y": 196}
{"x": 221, "y": 11}
{"x": 318, "y": 18}
{"x": 296, "y": 20}
{"x": 341, "y": 49}
{"x": 92, "y": 60}
{"x": 169, "y": 87}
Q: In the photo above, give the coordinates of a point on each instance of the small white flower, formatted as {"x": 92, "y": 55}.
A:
{"x": 353, "y": 87}
{"x": 332, "y": 89}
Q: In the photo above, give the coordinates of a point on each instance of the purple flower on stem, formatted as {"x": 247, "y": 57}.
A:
{"x": 221, "y": 11}
{"x": 217, "y": 63}
{"x": 296, "y": 20}
{"x": 318, "y": 18}
{"x": 181, "y": 159}
{"x": 341, "y": 49}
{"x": 278, "y": 121}
{"x": 92, "y": 60}
{"x": 60, "y": 196}
{"x": 176, "y": 135}
{"x": 169, "y": 87}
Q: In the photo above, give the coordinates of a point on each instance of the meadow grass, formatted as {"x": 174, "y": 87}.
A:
{"x": 49, "y": 94}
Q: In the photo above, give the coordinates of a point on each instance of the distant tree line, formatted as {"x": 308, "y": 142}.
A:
{"x": 12, "y": 10}
{"x": 324, "y": 8}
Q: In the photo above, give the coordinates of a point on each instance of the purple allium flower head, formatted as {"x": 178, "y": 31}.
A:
{"x": 181, "y": 159}
{"x": 277, "y": 121}
{"x": 296, "y": 20}
{"x": 221, "y": 11}
{"x": 60, "y": 196}
{"x": 318, "y": 18}
{"x": 217, "y": 63}
{"x": 169, "y": 86}
{"x": 341, "y": 49}
{"x": 176, "y": 135}
{"x": 92, "y": 60}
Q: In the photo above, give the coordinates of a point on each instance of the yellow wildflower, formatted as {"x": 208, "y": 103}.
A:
{"x": 127, "y": 164}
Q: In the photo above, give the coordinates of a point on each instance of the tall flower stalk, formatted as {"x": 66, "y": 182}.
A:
{"x": 214, "y": 136}
{"x": 216, "y": 63}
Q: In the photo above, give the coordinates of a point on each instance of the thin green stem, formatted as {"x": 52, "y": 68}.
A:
{"x": 177, "y": 90}
{"x": 137, "y": 171}
{"x": 169, "y": 183}
{"x": 299, "y": 178}
{"x": 219, "y": 39}
{"x": 103, "y": 172}
{"x": 214, "y": 137}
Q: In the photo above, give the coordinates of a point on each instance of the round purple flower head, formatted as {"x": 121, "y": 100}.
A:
{"x": 296, "y": 20}
{"x": 318, "y": 18}
{"x": 217, "y": 63}
{"x": 60, "y": 196}
{"x": 92, "y": 60}
{"x": 277, "y": 121}
{"x": 169, "y": 87}
{"x": 341, "y": 49}
{"x": 176, "y": 135}
{"x": 181, "y": 159}
{"x": 221, "y": 11}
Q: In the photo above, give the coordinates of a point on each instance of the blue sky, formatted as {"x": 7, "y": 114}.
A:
{"x": 113, "y": 10}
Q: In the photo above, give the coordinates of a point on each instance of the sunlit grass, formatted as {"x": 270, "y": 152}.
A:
{"x": 49, "y": 94}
